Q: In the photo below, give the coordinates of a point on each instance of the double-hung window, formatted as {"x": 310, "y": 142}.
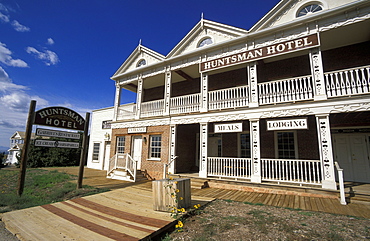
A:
{"x": 96, "y": 150}
{"x": 155, "y": 147}
{"x": 120, "y": 144}
{"x": 245, "y": 145}
{"x": 286, "y": 146}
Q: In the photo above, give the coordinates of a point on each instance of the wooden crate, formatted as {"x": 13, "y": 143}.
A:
{"x": 165, "y": 195}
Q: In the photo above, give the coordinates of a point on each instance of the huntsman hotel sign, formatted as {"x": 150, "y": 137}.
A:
{"x": 306, "y": 42}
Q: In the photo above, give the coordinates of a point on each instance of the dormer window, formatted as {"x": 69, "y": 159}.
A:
{"x": 313, "y": 8}
{"x": 141, "y": 63}
{"x": 204, "y": 42}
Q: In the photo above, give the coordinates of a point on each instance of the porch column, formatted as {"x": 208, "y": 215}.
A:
{"x": 255, "y": 149}
{"x": 317, "y": 71}
{"x": 252, "y": 83}
{"x": 203, "y": 149}
{"x": 139, "y": 97}
{"x": 203, "y": 92}
{"x": 167, "y": 92}
{"x": 171, "y": 167}
{"x": 117, "y": 101}
{"x": 326, "y": 152}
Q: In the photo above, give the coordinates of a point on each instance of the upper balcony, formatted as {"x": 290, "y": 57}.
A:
{"x": 346, "y": 82}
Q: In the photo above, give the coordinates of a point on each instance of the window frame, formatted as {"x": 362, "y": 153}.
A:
{"x": 96, "y": 152}
{"x": 299, "y": 12}
{"x": 277, "y": 144}
{"x": 240, "y": 144}
{"x": 205, "y": 44}
{"x": 120, "y": 147}
{"x": 157, "y": 153}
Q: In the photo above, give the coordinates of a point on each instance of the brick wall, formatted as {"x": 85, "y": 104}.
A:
{"x": 153, "y": 168}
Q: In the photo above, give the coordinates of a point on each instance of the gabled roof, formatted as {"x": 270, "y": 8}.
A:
{"x": 286, "y": 11}
{"x": 218, "y": 32}
{"x": 140, "y": 53}
{"x": 20, "y": 135}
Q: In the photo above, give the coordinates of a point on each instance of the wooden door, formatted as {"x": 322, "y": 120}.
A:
{"x": 136, "y": 148}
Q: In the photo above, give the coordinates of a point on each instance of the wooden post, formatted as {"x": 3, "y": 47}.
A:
{"x": 27, "y": 141}
{"x": 83, "y": 150}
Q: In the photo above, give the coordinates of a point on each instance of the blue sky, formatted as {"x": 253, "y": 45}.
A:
{"x": 63, "y": 52}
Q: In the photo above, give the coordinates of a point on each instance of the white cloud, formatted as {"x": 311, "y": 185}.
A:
{"x": 6, "y": 57}
{"x": 49, "y": 57}
{"x": 50, "y": 41}
{"x": 4, "y": 18}
{"x": 19, "y": 27}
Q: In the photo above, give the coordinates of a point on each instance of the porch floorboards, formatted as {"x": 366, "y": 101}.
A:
{"x": 126, "y": 213}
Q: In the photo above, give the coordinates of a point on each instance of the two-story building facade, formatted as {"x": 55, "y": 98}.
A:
{"x": 279, "y": 103}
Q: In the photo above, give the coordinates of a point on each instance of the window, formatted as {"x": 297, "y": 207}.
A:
{"x": 245, "y": 145}
{"x": 141, "y": 63}
{"x": 204, "y": 42}
{"x": 96, "y": 150}
{"x": 155, "y": 146}
{"x": 120, "y": 144}
{"x": 309, "y": 10}
{"x": 286, "y": 147}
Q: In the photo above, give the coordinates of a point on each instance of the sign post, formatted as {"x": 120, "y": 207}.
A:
{"x": 83, "y": 151}
{"x": 27, "y": 141}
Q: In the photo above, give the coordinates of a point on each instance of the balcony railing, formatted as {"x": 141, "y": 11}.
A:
{"x": 185, "y": 104}
{"x": 289, "y": 90}
{"x": 346, "y": 82}
{"x": 228, "y": 98}
{"x": 152, "y": 108}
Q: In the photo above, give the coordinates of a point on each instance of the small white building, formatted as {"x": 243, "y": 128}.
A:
{"x": 16, "y": 145}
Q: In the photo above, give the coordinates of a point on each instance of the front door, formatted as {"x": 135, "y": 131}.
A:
{"x": 106, "y": 155}
{"x": 214, "y": 146}
{"x": 351, "y": 152}
{"x": 136, "y": 148}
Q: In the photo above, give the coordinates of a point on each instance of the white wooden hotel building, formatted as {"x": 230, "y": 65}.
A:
{"x": 281, "y": 102}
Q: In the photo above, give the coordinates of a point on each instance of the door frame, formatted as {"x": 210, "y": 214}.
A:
{"x": 133, "y": 149}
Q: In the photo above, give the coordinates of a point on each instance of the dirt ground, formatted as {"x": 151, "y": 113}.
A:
{"x": 5, "y": 234}
{"x": 227, "y": 220}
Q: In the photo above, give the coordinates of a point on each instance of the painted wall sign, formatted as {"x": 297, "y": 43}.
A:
{"x": 229, "y": 127}
{"x": 288, "y": 124}
{"x": 60, "y": 144}
{"x": 136, "y": 130}
{"x": 59, "y": 117}
{"x": 306, "y": 42}
{"x": 53, "y": 133}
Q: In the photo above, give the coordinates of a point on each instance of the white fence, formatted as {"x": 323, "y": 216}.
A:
{"x": 229, "y": 167}
{"x": 287, "y": 90}
{"x": 185, "y": 104}
{"x": 348, "y": 82}
{"x": 152, "y": 108}
{"x": 293, "y": 171}
{"x": 228, "y": 98}
{"x": 277, "y": 170}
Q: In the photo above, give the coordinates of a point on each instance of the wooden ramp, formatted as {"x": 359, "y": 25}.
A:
{"x": 122, "y": 214}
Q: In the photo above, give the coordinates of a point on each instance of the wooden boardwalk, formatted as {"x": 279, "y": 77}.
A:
{"x": 126, "y": 213}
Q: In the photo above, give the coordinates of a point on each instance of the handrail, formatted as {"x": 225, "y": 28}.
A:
{"x": 166, "y": 165}
{"x": 131, "y": 166}
{"x": 341, "y": 184}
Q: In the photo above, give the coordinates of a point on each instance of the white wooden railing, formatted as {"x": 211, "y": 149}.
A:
{"x": 348, "y": 82}
{"x": 287, "y": 90}
{"x": 123, "y": 161}
{"x": 228, "y": 98}
{"x": 341, "y": 184}
{"x": 152, "y": 108}
{"x": 185, "y": 104}
{"x": 290, "y": 170}
{"x": 238, "y": 168}
{"x": 126, "y": 112}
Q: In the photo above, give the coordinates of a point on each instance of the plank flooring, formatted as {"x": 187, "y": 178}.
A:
{"x": 126, "y": 212}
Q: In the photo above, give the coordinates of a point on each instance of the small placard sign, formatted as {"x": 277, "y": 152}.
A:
{"x": 229, "y": 127}
{"x": 287, "y": 124}
{"x": 136, "y": 130}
